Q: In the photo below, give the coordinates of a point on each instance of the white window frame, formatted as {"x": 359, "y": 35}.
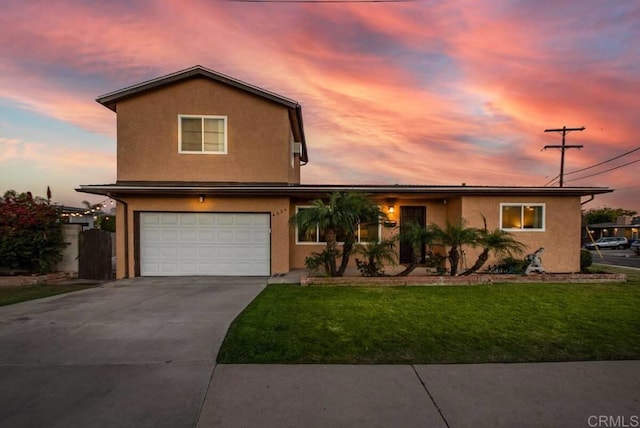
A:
{"x": 202, "y": 118}
{"x": 523, "y": 206}
{"x": 319, "y": 242}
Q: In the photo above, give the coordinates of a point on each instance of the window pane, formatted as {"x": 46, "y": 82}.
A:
{"x": 511, "y": 217}
{"x": 214, "y": 135}
{"x": 307, "y": 237}
{"x": 533, "y": 217}
{"x": 340, "y": 237}
{"x": 369, "y": 232}
{"x": 304, "y": 237}
{"x": 191, "y": 134}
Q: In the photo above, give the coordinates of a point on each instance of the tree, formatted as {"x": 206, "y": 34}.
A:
{"x": 604, "y": 215}
{"x": 455, "y": 235}
{"x": 339, "y": 216}
{"x": 417, "y": 236}
{"x": 499, "y": 242}
{"x": 31, "y": 235}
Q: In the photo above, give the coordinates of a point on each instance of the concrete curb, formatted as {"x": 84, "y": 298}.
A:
{"x": 569, "y": 278}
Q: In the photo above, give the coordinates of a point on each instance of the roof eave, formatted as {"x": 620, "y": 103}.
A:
{"x": 111, "y": 99}
{"x": 304, "y": 190}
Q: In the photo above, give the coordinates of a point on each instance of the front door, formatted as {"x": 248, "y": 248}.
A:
{"x": 409, "y": 215}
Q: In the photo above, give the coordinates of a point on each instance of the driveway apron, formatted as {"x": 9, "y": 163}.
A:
{"x": 137, "y": 352}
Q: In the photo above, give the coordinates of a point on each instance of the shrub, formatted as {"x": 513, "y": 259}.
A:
{"x": 436, "y": 261}
{"x": 376, "y": 254}
{"x": 586, "y": 259}
{"x": 509, "y": 265}
{"x": 31, "y": 235}
{"x": 108, "y": 223}
{"x": 318, "y": 263}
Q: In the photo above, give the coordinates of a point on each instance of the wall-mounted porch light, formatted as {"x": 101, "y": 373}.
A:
{"x": 201, "y": 198}
{"x": 391, "y": 209}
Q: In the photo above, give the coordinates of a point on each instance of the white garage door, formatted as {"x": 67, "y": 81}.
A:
{"x": 181, "y": 244}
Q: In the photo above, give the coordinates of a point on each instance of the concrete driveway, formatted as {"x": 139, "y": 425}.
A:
{"x": 137, "y": 352}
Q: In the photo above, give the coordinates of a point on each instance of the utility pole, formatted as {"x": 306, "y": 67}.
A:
{"x": 564, "y": 130}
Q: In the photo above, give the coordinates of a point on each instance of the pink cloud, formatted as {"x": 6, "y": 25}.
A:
{"x": 426, "y": 93}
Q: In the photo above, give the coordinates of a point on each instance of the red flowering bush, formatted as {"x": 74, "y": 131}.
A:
{"x": 30, "y": 233}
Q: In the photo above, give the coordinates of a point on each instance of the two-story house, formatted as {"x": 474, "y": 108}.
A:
{"x": 208, "y": 175}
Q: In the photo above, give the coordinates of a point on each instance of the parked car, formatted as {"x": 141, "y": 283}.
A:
{"x": 635, "y": 246}
{"x": 611, "y": 242}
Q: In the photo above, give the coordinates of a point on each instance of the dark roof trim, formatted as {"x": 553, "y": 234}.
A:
{"x": 159, "y": 189}
{"x": 111, "y": 99}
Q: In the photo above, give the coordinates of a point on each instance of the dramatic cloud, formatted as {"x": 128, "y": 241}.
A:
{"x": 424, "y": 92}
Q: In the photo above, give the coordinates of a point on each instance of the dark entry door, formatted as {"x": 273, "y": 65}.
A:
{"x": 408, "y": 215}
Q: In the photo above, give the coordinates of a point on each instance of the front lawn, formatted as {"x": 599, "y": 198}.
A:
{"x": 464, "y": 324}
{"x": 11, "y": 295}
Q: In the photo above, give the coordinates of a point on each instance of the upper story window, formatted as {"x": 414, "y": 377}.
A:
{"x": 522, "y": 217}
{"x": 202, "y": 134}
{"x": 367, "y": 232}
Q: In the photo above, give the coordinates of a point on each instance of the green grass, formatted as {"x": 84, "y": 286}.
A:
{"x": 11, "y": 295}
{"x": 488, "y": 323}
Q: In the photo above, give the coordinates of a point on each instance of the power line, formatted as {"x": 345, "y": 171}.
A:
{"x": 593, "y": 166}
{"x": 320, "y": 1}
{"x": 606, "y": 170}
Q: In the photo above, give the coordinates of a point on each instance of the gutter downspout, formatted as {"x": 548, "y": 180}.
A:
{"x": 592, "y": 197}
{"x": 126, "y": 234}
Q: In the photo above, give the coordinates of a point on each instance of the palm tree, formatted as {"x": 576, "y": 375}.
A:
{"x": 417, "y": 236}
{"x": 455, "y": 236}
{"x": 377, "y": 254}
{"x": 499, "y": 242}
{"x": 340, "y": 216}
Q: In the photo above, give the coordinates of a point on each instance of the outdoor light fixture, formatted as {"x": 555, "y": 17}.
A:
{"x": 201, "y": 198}
{"x": 391, "y": 209}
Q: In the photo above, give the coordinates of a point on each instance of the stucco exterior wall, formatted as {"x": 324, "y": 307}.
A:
{"x": 436, "y": 211}
{"x": 277, "y": 207}
{"x": 561, "y": 237}
{"x": 258, "y": 136}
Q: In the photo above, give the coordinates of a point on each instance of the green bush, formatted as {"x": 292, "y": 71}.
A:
{"x": 586, "y": 259}
{"x": 31, "y": 236}
{"x": 108, "y": 223}
{"x": 318, "y": 263}
{"x": 509, "y": 265}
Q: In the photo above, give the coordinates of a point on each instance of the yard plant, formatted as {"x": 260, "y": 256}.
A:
{"x": 338, "y": 219}
{"x": 31, "y": 237}
{"x": 472, "y": 324}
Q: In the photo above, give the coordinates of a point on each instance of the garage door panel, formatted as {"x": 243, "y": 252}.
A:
{"x": 188, "y": 219}
{"x": 225, "y": 220}
{"x": 168, "y": 235}
{"x": 168, "y": 219}
{"x": 204, "y": 244}
{"x": 188, "y": 235}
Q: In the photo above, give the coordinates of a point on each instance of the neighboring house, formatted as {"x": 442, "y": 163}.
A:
{"x": 82, "y": 216}
{"x": 624, "y": 226}
{"x": 208, "y": 175}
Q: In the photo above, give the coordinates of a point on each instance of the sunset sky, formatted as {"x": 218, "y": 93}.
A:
{"x": 415, "y": 92}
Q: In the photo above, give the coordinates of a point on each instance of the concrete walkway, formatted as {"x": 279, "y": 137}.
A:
{"x": 142, "y": 352}
{"x": 478, "y": 395}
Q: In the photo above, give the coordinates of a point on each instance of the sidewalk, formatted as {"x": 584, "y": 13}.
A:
{"x": 576, "y": 394}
